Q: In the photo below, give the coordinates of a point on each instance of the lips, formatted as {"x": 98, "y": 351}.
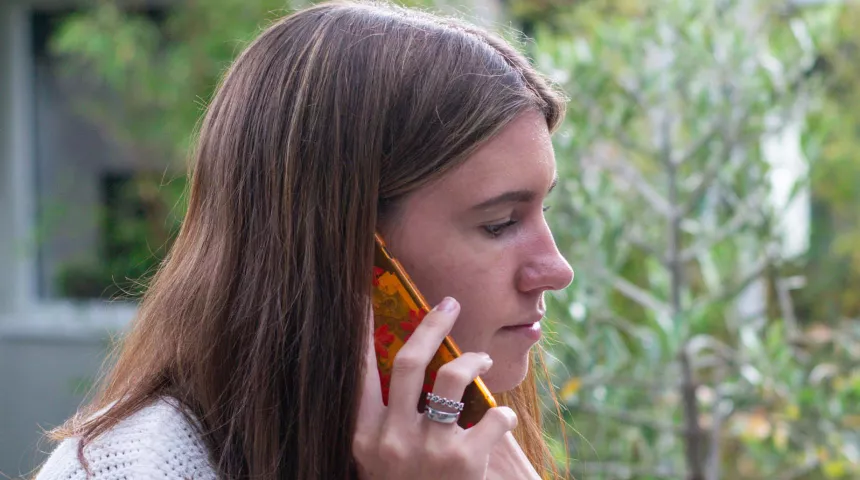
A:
{"x": 536, "y": 318}
{"x": 531, "y": 332}
{"x": 521, "y": 325}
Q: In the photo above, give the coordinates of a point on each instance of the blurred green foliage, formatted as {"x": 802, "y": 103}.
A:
{"x": 164, "y": 65}
{"x": 680, "y": 350}
{"x": 833, "y": 268}
{"x": 686, "y": 348}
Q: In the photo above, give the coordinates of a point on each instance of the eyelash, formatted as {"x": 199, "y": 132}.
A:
{"x": 496, "y": 230}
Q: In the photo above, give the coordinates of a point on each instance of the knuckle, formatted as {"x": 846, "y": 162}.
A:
{"x": 392, "y": 449}
{"x": 454, "y": 374}
{"x": 407, "y": 361}
{"x": 436, "y": 456}
{"x": 460, "y": 457}
{"x": 450, "y": 456}
{"x": 466, "y": 358}
{"x": 361, "y": 445}
{"x": 437, "y": 319}
{"x": 503, "y": 415}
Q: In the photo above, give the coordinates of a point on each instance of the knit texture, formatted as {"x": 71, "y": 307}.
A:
{"x": 156, "y": 442}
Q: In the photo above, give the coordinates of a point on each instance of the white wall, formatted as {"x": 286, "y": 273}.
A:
{"x": 43, "y": 380}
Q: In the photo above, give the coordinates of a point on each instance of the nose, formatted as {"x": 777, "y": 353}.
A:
{"x": 544, "y": 267}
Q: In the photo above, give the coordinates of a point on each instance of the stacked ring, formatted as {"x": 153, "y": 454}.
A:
{"x": 441, "y": 417}
{"x": 444, "y": 402}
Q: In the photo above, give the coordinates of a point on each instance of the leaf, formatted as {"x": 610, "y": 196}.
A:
{"x": 835, "y": 468}
{"x": 570, "y": 388}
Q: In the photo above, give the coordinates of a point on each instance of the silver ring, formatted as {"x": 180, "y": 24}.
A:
{"x": 444, "y": 402}
{"x": 441, "y": 417}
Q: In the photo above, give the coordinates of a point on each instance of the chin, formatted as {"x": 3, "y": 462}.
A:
{"x": 505, "y": 376}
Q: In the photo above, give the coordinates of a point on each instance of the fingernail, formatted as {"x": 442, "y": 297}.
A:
{"x": 512, "y": 417}
{"x": 488, "y": 358}
{"x": 448, "y": 304}
{"x": 488, "y": 364}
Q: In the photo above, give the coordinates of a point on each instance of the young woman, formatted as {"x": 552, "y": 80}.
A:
{"x": 252, "y": 354}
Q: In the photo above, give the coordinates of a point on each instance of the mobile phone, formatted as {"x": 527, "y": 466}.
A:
{"x": 398, "y": 307}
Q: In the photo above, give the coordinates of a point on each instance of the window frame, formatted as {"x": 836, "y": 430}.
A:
{"x": 23, "y": 313}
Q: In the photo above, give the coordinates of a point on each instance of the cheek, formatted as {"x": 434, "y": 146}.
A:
{"x": 483, "y": 283}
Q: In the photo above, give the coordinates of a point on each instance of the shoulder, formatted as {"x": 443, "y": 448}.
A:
{"x": 156, "y": 442}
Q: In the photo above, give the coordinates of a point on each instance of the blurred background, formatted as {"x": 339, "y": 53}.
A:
{"x": 708, "y": 203}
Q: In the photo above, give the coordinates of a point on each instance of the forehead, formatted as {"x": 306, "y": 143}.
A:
{"x": 519, "y": 157}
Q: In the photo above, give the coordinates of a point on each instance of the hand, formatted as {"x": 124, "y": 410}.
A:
{"x": 397, "y": 442}
{"x": 508, "y": 461}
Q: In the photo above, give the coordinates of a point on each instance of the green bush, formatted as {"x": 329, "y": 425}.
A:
{"x": 678, "y": 350}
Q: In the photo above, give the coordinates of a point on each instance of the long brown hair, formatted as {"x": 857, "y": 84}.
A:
{"x": 255, "y": 321}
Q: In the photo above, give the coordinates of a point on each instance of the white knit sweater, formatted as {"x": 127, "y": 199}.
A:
{"x": 156, "y": 442}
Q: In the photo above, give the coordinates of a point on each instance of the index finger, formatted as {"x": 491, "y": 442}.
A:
{"x": 412, "y": 359}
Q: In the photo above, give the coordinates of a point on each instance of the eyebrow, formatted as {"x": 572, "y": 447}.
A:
{"x": 513, "y": 196}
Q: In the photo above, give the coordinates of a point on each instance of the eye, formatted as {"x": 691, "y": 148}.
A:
{"x": 499, "y": 228}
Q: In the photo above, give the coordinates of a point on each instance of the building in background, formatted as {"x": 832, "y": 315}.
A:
{"x": 57, "y": 175}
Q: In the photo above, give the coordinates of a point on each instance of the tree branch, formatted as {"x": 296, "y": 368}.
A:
{"x": 714, "y": 168}
{"x": 641, "y": 244}
{"x": 754, "y": 273}
{"x": 692, "y": 432}
{"x": 701, "y": 143}
{"x": 786, "y": 307}
{"x": 629, "y": 144}
{"x": 618, "y": 322}
{"x": 713, "y": 462}
{"x": 632, "y": 94}
{"x": 693, "y": 445}
{"x": 624, "y": 170}
{"x": 635, "y": 239}
{"x": 633, "y": 292}
{"x": 619, "y": 135}
{"x": 740, "y": 219}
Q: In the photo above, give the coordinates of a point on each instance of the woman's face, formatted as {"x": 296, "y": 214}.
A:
{"x": 479, "y": 235}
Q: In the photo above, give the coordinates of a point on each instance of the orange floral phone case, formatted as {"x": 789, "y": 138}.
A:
{"x": 398, "y": 308}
